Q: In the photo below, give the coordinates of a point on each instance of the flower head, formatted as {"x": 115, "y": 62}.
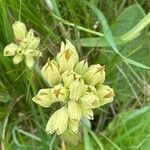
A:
{"x": 78, "y": 87}
{"x": 25, "y": 46}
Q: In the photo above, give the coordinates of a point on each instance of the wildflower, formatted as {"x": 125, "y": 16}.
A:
{"x": 68, "y": 57}
{"x": 25, "y": 46}
{"x": 78, "y": 87}
{"x": 81, "y": 67}
{"x": 59, "y": 93}
{"x": 19, "y": 30}
{"x": 95, "y": 75}
{"x": 75, "y": 110}
{"x": 44, "y": 98}
{"x": 51, "y": 73}
{"x": 68, "y": 77}
{"x": 58, "y": 121}
{"x": 105, "y": 94}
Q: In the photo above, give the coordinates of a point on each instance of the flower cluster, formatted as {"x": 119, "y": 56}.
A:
{"x": 77, "y": 86}
{"x": 25, "y": 46}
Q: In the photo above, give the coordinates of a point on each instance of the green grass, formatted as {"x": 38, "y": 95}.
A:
{"x": 114, "y": 33}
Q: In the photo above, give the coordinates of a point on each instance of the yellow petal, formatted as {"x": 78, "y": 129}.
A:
{"x": 51, "y": 73}
{"x": 58, "y": 121}
{"x": 43, "y": 98}
{"x": 105, "y": 94}
{"x": 74, "y": 110}
{"x": 29, "y": 62}
{"x": 88, "y": 113}
{"x": 10, "y": 49}
{"x": 90, "y": 100}
{"x": 73, "y": 126}
{"x": 95, "y": 75}
{"x": 68, "y": 57}
{"x": 34, "y": 42}
{"x": 68, "y": 77}
{"x": 17, "y": 59}
{"x": 59, "y": 93}
{"x": 81, "y": 67}
{"x": 77, "y": 89}
{"x": 32, "y": 53}
{"x": 20, "y": 30}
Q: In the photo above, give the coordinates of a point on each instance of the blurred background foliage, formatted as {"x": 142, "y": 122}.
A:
{"x": 124, "y": 124}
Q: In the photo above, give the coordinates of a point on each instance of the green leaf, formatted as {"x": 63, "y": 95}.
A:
{"x": 109, "y": 37}
{"x": 87, "y": 141}
{"x": 129, "y": 129}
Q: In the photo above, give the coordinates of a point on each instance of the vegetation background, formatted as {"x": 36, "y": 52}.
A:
{"x": 122, "y": 125}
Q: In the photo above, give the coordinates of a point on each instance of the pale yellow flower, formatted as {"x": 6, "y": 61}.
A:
{"x": 59, "y": 93}
{"x": 19, "y": 30}
{"x": 25, "y": 46}
{"x": 68, "y": 77}
{"x": 81, "y": 67}
{"x": 105, "y": 94}
{"x": 77, "y": 89}
{"x": 44, "y": 98}
{"x": 58, "y": 121}
{"x": 95, "y": 75}
{"x": 68, "y": 57}
{"x": 51, "y": 73}
{"x": 75, "y": 110}
{"x": 90, "y": 100}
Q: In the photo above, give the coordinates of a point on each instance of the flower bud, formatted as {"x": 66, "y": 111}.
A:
{"x": 77, "y": 89}
{"x": 95, "y": 75}
{"x": 58, "y": 121}
{"x": 59, "y": 93}
{"x": 68, "y": 77}
{"x": 10, "y": 49}
{"x": 50, "y": 73}
{"x": 20, "y": 30}
{"x": 105, "y": 94}
{"x": 89, "y": 100}
{"x": 68, "y": 57}
{"x": 43, "y": 98}
{"x": 81, "y": 67}
{"x": 74, "y": 110}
